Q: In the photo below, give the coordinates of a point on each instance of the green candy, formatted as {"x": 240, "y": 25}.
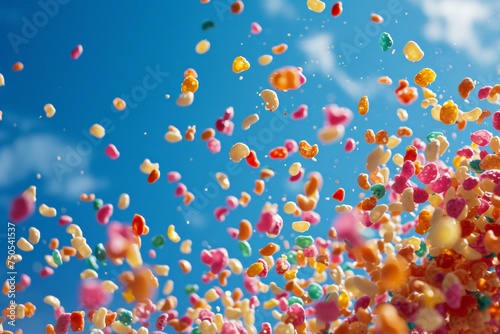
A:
{"x": 422, "y": 250}
{"x": 378, "y": 190}
{"x": 245, "y": 248}
{"x": 411, "y": 325}
{"x": 385, "y": 41}
{"x": 56, "y": 256}
{"x": 295, "y": 300}
{"x": 347, "y": 266}
{"x": 291, "y": 257}
{"x": 489, "y": 219}
{"x": 483, "y": 301}
{"x": 196, "y": 331}
{"x": 92, "y": 262}
{"x": 158, "y": 241}
{"x": 433, "y": 135}
{"x": 191, "y": 288}
{"x": 100, "y": 252}
{"x": 304, "y": 241}
{"x": 98, "y": 203}
{"x": 125, "y": 317}
{"x": 207, "y": 25}
{"x": 474, "y": 165}
{"x": 315, "y": 291}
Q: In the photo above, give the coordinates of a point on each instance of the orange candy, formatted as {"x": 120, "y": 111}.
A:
{"x": 279, "y": 49}
{"x": 17, "y": 67}
{"x": 153, "y": 176}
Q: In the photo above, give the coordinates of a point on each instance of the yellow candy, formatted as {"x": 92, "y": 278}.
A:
{"x": 425, "y": 77}
{"x": 172, "y": 235}
{"x": 255, "y": 269}
{"x": 449, "y": 112}
{"x": 265, "y": 60}
{"x": 190, "y": 84}
{"x": 343, "y": 300}
{"x": 320, "y": 267}
{"x": 240, "y": 64}
{"x": 202, "y": 47}
{"x": 428, "y": 94}
{"x": 316, "y": 5}
{"x": 290, "y": 274}
{"x": 301, "y": 226}
{"x": 413, "y": 52}
{"x": 363, "y": 105}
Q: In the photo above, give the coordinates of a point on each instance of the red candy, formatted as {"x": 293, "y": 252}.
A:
{"x": 77, "y": 52}
{"x": 21, "y": 208}
{"x": 252, "y": 159}
{"x": 481, "y": 137}
{"x": 337, "y": 9}
{"x": 279, "y": 153}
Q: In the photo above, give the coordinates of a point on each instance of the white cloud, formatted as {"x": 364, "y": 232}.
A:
{"x": 27, "y": 156}
{"x": 33, "y": 154}
{"x": 74, "y": 185}
{"x": 463, "y": 24}
{"x": 318, "y": 49}
{"x": 282, "y": 8}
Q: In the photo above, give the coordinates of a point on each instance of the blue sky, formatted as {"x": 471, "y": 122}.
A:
{"x": 126, "y": 43}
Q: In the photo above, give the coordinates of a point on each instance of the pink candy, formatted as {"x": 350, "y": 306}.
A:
{"x": 281, "y": 266}
{"x": 495, "y": 120}
{"x": 161, "y": 322}
{"x": 300, "y": 113}
{"x": 220, "y": 213}
{"x": 335, "y": 115}
{"x": 180, "y": 190}
{"x": 62, "y": 324}
{"x": 408, "y": 169}
{"x": 470, "y": 183}
{"x": 77, "y": 52}
{"x": 481, "y": 137}
{"x": 428, "y": 173}
{"x": 46, "y": 271}
{"x": 350, "y": 145}
{"x": 327, "y": 311}
{"x": 224, "y": 124}
{"x": 213, "y": 145}
{"x": 217, "y": 259}
{"x": 65, "y": 220}
{"x": 296, "y": 314}
{"x": 152, "y": 254}
{"x": 297, "y": 177}
{"x": 466, "y": 152}
{"x": 255, "y": 28}
{"x": 173, "y": 176}
{"x": 233, "y": 232}
{"x": 484, "y": 92}
{"x": 21, "y": 208}
{"x": 400, "y": 184}
{"x": 104, "y": 214}
{"x": 25, "y": 280}
{"x": 291, "y": 146}
{"x": 311, "y": 217}
{"x": 265, "y": 271}
{"x": 112, "y": 152}
{"x": 58, "y": 311}
{"x": 420, "y": 195}
{"x": 232, "y": 202}
{"x": 441, "y": 184}
{"x": 362, "y": 302}
{"x": 93, "y": 296}
{"x": 270, "y": 222}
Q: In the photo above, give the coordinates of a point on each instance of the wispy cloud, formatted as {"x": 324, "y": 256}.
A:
{"x": 318, "y": 50}
{"x": 467, "y": 25}
{"x": 27, "y": 156}
{"x": 32, "y": 154}
{"x": 281, "y": 8}
{"x": 75, "y": 185}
